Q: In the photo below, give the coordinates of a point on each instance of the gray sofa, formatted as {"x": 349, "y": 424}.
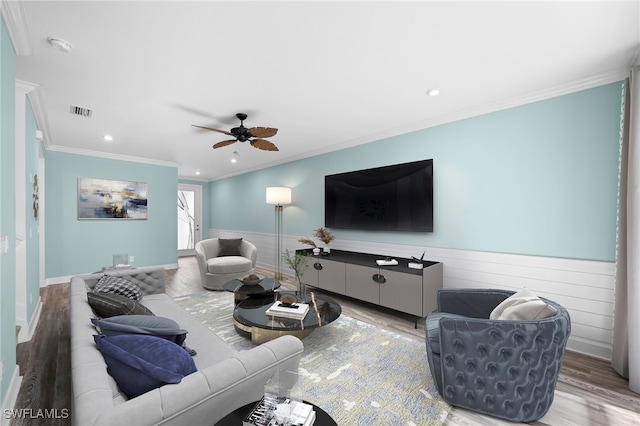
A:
{"x": 225, "y": 380}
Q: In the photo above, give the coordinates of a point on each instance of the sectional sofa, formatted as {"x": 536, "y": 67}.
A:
{"x": 225, "y": 379}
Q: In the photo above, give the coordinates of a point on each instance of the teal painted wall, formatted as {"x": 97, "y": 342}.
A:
{"x": 7, "y": 209}
{"x": 538, "y": 179}
{"x": 75, "y": 246}
{"x": 32, "y": 155}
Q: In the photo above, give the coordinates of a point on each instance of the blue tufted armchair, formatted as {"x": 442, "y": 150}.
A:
{"x": 503, "y": 368}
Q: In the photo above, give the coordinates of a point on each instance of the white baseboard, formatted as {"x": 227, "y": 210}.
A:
{"x": 9, "y": 401}
{"x": 27, "y": 330}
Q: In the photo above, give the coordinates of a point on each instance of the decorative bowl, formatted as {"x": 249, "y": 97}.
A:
{"x": 252, "y": 279}
{"x": 288, "y": 300}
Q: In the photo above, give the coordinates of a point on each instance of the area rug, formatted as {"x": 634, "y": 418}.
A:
{"x": 358, "y": 373}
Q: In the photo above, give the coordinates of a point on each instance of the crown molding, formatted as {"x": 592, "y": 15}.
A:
{"x": 15, "y": 17}
{"x": 111, "y": 156}
{"x": 32, "y": 91}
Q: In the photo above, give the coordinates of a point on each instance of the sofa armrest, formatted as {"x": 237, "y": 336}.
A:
{"x": 473, "y": 303}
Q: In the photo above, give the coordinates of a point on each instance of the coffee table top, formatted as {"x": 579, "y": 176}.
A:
{"x": 266, "y": 285}
{"x": 235, "y": 417}
{"x": 252, "y": 312}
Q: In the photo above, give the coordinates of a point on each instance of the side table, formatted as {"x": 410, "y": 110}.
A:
{"x": 242, "y": 291}
{"x": 235, "y": 417}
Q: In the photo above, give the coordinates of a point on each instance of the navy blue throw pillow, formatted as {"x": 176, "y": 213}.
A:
{"x": 141, "y": 324}
{"x": 140, "y": 363}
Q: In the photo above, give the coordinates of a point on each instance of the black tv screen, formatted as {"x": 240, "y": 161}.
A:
{"x": 389, "y": 198}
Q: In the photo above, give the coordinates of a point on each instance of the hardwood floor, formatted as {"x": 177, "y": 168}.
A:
{"x": 589, "y": 392}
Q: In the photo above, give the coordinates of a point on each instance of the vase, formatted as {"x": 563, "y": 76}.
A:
{"x": 316, "y": 251}
{"x": 326, "y": 250}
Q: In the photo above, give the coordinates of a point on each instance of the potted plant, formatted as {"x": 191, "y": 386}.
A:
{"x": 297, "y": 261}
{"x": 310, "y": 242}
{"x": 324, "y": 235}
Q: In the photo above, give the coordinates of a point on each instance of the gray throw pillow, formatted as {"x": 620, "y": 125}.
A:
{"x": 229, "y": 247}
{"x": 141, "y": 324}
{"x": 107, "y": 305}
{"x": 523, "y": 305}
{"x": 117, "y": 285}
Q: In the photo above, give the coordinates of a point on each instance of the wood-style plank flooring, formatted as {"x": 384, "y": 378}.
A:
{"x": 589, "y": 392}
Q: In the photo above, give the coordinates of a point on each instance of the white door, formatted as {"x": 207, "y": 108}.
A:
{"x": 189, "y": 218}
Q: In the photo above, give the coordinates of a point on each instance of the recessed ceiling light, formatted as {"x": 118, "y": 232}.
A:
{"x": 197, "y": 173}
{"x": 233, "y": 160}
{"x": 433, "y": 92}
{"x": 108, "y": 138}
{"x": 59, "y": 44}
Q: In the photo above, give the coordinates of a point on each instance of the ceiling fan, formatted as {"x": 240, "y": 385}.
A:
{"x": 255, "y": 135}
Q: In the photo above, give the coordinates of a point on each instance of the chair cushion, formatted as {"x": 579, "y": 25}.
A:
{"x": 141, "y": 363}
{"x": 523, "y": 305}
{"x": 228, "y": 265}
{"x": 141, "y": 324}
{"x": 229, "y": 247}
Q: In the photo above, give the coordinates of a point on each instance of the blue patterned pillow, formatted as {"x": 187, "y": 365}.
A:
{"x": 117, "y": 285}
{"x": 141, "y": 363}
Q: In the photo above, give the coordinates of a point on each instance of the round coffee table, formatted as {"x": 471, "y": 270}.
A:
{"x": 236, "y": 417}
{"x": 250, "y": 318}
{"x": 241, "y": 291}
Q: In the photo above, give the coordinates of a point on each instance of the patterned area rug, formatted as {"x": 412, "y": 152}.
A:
{"x": 358, "y": 373}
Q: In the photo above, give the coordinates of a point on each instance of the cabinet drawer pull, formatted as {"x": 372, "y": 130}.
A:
{"x": 379, "y": 278}
{"x": 317, "y": 266}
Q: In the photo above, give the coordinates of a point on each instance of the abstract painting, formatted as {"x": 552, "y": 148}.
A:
{"x": 111, "y": 199}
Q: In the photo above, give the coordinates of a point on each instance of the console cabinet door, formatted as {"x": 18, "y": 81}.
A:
{"x": 402, "y": 292}
{"x": 310, "y": 274}
{"x": 361, "y": 283}
{"x": 331, "y": 275}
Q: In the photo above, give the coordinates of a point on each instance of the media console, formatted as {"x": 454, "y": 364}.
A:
{"x": 357, "y": 275}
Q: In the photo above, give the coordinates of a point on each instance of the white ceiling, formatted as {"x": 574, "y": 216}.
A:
{"x": 327, "y": 74}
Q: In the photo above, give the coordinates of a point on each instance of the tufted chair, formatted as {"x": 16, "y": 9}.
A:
{"x": 503, "y": 368}
{"x": 216, "y": 270}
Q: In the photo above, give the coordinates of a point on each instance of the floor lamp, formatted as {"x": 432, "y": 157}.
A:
{"x": 279, "y": 196}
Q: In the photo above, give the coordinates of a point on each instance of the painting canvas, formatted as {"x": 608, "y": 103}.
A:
{"x": 111, "y": 199}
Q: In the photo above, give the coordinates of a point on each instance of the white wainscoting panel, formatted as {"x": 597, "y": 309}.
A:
{"x": 584, "y": 287}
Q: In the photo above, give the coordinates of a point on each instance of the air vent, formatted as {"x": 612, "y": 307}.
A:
{"x": 81, "y": 111}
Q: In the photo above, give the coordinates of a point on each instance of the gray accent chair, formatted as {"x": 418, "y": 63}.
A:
{"x": 502, "y": 368}
{"x": 217, "y": 270}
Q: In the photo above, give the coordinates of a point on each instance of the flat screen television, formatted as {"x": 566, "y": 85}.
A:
{"x": 390, "y": 198}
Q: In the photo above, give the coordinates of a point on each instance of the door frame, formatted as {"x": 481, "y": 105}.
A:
{"x": 197, "y": 212}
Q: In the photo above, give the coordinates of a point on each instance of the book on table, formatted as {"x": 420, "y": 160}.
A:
{"x": 296, "y": 311}
{"x": 263, "y": 413}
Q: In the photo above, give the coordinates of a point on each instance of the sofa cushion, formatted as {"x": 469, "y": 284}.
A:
{"x": 109, "y": 305}
{"x": 228, "y": 265}
{"x": 523, "y": 305}
{"x": 141, "y": 363}
{"x": 117, "y": 285}
{"x": 229, "y": 247}
{"x": 141, "y": 324}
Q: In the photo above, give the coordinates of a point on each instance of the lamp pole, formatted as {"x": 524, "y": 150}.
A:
{"x": 278, "y": 196}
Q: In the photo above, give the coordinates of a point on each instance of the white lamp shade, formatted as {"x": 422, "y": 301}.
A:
{"x": 278, "y": 195}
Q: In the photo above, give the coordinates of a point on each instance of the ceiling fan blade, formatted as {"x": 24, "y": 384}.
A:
{"x": 263, "y": 145}
{"x": 223, "y": 143}
{"x": 214, "y": 130}
{"x": 263, "y": 132}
